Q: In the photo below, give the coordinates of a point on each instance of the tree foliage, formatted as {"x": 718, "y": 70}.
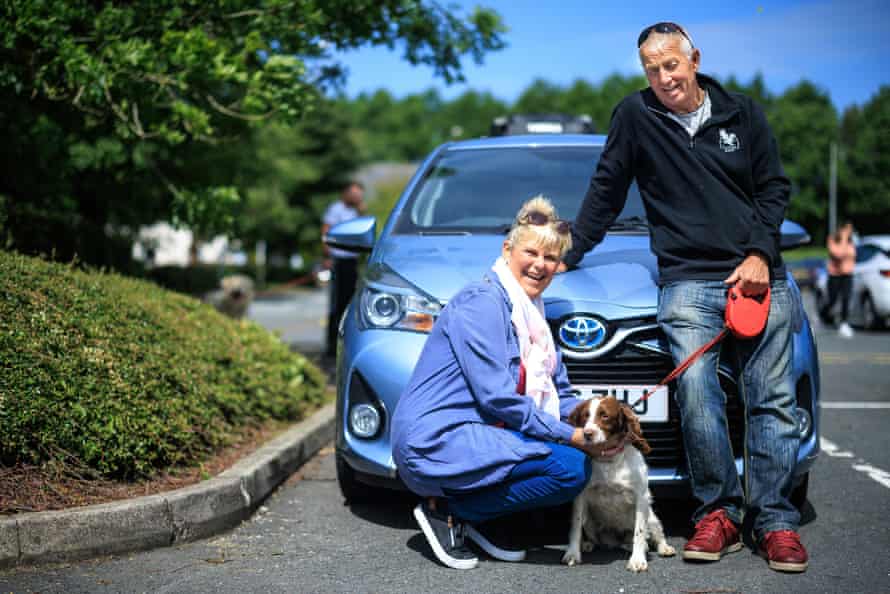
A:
{"x": 117, "y": 112}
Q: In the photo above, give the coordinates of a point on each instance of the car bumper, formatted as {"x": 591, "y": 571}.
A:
{"x": 384, "y": 361}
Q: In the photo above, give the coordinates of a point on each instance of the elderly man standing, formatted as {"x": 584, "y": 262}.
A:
{"x": 708, "y": 169}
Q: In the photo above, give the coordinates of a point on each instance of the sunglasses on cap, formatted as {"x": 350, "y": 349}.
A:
{"x": 663, "y": 27}
{"x": 536, "y": 217}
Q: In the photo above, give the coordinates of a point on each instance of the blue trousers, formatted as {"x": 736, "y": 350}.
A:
{"x": 691, "y": 313}
{"x": 540, "y": 482}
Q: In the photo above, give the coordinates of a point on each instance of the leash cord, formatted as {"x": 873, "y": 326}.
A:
{"x": 682, "y": 366}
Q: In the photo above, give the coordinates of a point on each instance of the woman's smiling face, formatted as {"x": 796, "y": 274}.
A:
{"x": 532, "y": 264}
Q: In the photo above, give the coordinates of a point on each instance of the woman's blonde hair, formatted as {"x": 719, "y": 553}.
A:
{"x": 544, "y": 235}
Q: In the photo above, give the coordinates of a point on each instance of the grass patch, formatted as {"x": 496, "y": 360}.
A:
{"x": 804, "y": 253}
{"x": 122, "y": 379}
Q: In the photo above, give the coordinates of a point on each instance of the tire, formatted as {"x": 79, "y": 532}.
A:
{"x": 799, "y": 494}
{"x": 353, "y": 490}
{"x": 870, "y": 318}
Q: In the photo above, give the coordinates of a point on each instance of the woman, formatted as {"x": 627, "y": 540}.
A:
{"x": 467, "y": 434}
{"x": 841, "y": 262}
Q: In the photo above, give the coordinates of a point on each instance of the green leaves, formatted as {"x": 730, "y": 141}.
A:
{"x": 128, "y": 379}
{"x": 150, "y": 97}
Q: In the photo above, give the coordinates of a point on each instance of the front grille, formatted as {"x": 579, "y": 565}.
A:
{"x": 628, "y": 364}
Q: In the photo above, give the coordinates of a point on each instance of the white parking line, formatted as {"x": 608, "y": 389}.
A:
{"x": 878, "y": 475}
{"x": 854, "y": 405}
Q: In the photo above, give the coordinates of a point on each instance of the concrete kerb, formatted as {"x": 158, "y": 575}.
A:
{"x": 182, "y": 515}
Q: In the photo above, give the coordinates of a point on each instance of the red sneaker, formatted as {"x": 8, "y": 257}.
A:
{"x": 784, "y": 551}
{"x": 715, "y": 535}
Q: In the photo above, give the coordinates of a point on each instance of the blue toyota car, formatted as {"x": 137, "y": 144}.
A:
{"x": 447, "y": 229}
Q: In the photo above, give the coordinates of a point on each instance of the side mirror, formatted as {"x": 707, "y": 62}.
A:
{"x": 793, "y": 235}
{"x": 356, "y": 235}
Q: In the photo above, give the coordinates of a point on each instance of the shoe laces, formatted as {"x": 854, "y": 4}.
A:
{"x": 714, "y": 525}
{"x": 455, "y": 533}
{"x": 783, "y": 539}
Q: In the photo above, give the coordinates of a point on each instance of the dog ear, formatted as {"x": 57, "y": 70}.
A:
{"x": 634, "y": 431}
{"x": 577, "y": 416}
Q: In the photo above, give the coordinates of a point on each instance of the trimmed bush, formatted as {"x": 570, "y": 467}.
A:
{"x": 128, "y": 378}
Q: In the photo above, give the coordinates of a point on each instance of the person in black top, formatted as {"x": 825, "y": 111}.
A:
{"x": 708, "y": 169}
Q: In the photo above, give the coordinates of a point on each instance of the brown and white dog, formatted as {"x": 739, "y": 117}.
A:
{"x": 615, "y": 508}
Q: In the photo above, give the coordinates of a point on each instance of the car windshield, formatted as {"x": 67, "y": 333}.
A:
{"x": 480, "y": 190}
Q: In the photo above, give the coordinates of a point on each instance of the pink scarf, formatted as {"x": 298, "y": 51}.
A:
{"x": 536, "y": 348}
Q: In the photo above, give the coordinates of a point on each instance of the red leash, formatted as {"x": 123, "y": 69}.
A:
{"x": 682, "y": 366}
{"x": 745, "y": 316}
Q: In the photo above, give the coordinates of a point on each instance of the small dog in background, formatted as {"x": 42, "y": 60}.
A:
{"x": 615, "y": 508}
{"x": 234, "y": 295}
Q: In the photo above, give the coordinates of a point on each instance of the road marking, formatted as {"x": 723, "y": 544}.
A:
{"x": 882, "y": 476}
{"x": 879, "y": 475}
{"x": 853, "y": 405}
{"x": 833, "y": 450}
{"x": 845, "y": 358}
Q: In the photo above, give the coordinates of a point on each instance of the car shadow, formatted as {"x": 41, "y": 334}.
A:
{"x": 543, "y": 532}
{"x": 395, "y": 512}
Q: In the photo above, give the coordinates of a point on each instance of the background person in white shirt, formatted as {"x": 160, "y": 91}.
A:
{"x": 342, "y": 264}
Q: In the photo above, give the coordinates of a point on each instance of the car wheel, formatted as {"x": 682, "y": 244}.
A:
{"x": 353, "y": 490}
{"x": 799, "y": 494}
{"x": 870, "y": 317}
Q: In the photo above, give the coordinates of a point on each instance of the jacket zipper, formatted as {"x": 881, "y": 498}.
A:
{"x": 711, "y": 122}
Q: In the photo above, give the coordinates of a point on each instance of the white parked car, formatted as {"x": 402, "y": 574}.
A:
{"x": 870, "y": 301}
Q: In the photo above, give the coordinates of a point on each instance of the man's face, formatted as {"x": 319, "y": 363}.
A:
{"x": 671, "y": 73}
{"x": 353, "y": 195}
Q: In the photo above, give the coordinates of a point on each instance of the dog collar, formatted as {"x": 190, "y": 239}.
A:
{"x": 612, "y": 452}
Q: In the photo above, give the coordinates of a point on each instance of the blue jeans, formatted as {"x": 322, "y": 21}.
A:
{"x": 539, "y": 482}
{"x": 691, "y": 313}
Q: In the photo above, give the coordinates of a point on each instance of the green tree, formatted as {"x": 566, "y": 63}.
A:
{"x": 865, "y": 189}
{"x": 805, "y": 123}
{"x": 112, "y": 106}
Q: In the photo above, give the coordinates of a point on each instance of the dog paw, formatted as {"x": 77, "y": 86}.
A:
{"x": 666, "y": 550}
{"x": 586, "y": 547}
{"x": 572, "y": 558}
{"x": 637, "y": 564}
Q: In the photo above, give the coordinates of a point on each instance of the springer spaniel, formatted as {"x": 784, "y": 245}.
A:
{"x": 615, "y": 508}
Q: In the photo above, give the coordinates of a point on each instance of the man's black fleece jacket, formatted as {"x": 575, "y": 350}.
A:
{"x": 710, "y": 199}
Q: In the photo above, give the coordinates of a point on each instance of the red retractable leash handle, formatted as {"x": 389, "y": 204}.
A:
{"x": 745, "y": 317}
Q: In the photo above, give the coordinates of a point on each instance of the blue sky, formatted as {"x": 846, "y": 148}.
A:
{"x": 841, "y": 46}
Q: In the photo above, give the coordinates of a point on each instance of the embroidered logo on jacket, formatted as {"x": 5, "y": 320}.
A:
{"x": 729, "y": 142}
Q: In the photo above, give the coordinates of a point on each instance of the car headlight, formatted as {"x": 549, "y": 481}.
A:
{"x": 396, "y": 304}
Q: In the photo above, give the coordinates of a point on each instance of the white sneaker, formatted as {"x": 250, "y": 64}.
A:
{"x": 845, "y": 331}
{"x": 500, "y": 553}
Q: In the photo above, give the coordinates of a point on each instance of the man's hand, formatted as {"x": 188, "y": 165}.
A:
{"x": 752, "y": 275}
{"x": 561, "y": 268}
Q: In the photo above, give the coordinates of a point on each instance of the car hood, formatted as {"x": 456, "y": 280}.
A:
{"x": 620, "y": 273}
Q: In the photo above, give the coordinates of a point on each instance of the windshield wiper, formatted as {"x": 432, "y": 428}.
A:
{"x": 629, "y": 223}
{"x": 444, "y": 232}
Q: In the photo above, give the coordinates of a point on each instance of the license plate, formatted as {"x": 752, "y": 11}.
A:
{"x": 652, "y": 410}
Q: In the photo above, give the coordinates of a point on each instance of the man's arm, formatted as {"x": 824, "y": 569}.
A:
{"x": 772, "y": 189}
{"x": 607, "y": 192}
{"x": 771, "y": 194}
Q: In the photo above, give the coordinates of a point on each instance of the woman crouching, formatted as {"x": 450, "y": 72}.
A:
{"x": 479, "y": 431}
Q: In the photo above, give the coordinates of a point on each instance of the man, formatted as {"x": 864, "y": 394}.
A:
{"x": 708, "y": 169}
{"x": 342, "y": 264}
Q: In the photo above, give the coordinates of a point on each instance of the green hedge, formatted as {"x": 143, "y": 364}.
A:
{"x": 203, "y": 278}
{"x": 127, "y": 378}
